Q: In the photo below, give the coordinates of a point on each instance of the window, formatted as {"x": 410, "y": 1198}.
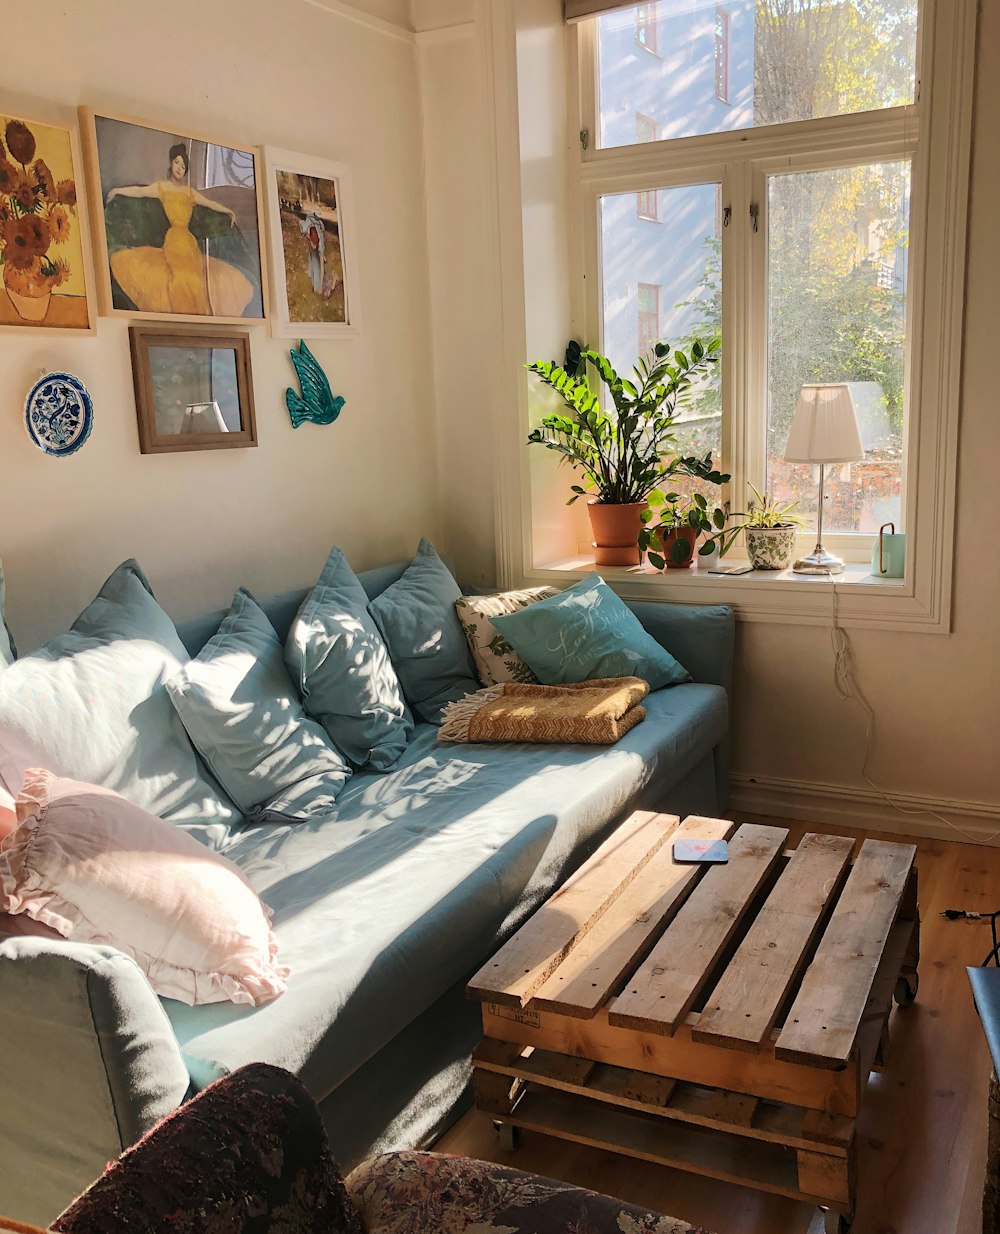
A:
{"x": 645, "y": 27}
{"x": 648, "y": 316}
{"x": 798, "y": 244}
{"x": 646, "y": 202}
{"x": 721, "y": 54}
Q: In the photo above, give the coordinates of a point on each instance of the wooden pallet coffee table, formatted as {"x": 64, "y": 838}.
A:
{"x": 718, "y": 1019}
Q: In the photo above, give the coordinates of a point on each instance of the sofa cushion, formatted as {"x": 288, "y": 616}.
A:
{"x": 92, "y": 705}
{"x": 98, "y": 869}
{"x": 243, "y": 713}
{"x": 341, "y": 666}
{"x": 495, "y": 659}
{"x": 406, "y": 889}
{"x": 416, "y": 617}
{"x": 585, "y": 633}
{"x": 8, "y": 652}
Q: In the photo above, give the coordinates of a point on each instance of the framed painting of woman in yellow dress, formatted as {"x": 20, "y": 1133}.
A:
{"x": 177, "y": 219}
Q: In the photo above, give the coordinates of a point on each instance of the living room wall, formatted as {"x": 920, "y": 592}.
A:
{"x": 303, "y": 76}
{"x": 799, "y": 747}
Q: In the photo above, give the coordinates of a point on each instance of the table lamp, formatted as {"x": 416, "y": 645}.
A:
{"x": 203, "y": 418}
{"x": 824, "y": 430}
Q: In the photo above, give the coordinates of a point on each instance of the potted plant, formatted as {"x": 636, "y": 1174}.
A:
{"x": 670, "y": 542}
{"x": 627, "y": 453}
{"x": 769, "y": 529}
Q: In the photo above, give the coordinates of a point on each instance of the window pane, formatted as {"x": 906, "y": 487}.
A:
{"x": 837, "y": 246}
{"x": 663, "y": 282}
{"x": 694, "y": 66}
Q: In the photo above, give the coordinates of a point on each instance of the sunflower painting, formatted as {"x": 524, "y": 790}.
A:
{"x": 42, "y": 239}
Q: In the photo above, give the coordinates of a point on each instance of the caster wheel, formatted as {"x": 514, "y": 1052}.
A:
{"x": 508, "y": 1134}
{"x": 906, "y": 989}
{"x": 836, "y": 1223}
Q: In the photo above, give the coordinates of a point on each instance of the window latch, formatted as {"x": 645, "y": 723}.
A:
{"x": 584, "y": 138}
{"x": 754, "y": 215}
{"x": 727, "y": 214}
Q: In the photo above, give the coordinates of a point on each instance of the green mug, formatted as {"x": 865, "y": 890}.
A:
{"x": 889, "y": 553}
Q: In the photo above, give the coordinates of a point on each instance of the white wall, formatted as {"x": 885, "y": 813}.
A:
{"x": 798, "y": 748}
{"x": 258, "y": 72}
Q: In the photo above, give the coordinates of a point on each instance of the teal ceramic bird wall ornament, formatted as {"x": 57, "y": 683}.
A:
{"x": 317, "y": 401}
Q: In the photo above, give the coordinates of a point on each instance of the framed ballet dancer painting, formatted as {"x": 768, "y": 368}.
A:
{"x": 45, "y": 275}
{"x": 176, "y": 220}
{"x": 313, "y": 258}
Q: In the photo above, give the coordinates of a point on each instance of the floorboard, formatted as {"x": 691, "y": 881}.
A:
{"x": 922, "y": 1132}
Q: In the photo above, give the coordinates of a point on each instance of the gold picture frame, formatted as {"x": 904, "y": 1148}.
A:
{"x": 178, "y": 222}
{"x": 47, "y": 280}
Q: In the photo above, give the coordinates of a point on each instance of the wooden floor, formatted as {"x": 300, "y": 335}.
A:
{"x": 922, "y": 1132}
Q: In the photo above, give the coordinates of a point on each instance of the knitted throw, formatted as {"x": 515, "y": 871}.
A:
{"x": 590, "y": 712}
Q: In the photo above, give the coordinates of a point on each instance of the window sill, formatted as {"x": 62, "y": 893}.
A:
{"x": 862, "y": 600}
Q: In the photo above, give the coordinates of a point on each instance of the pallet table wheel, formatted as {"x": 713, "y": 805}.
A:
{"x": 836, "y": 1223}
{"x": 509, "y": 1135}
{"x": 907, "y": 985}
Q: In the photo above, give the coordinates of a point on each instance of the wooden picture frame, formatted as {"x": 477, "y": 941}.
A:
{"x": 311, "y": 246}
{"x": 193, "y": 389}
{"x": 178, "y": 222}
{"x": 50, "y": 290}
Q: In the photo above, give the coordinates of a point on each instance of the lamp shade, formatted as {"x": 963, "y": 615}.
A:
{"x": 204, "y": 418}
{"x": 825, "y": 427}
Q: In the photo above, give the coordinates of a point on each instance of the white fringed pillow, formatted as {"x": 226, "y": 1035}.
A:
{"x": 495, "y": 659}
{"x": 98, "y": 869}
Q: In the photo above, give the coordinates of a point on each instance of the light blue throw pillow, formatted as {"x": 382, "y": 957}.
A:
{"x": 243, "y": 714}
{"x": 341, "y": 666}
{"x": 92, "y": 705}
{"x": 416, "y": 617}
{"x": 587, "y": 632}
{"x": 8, "y": 652}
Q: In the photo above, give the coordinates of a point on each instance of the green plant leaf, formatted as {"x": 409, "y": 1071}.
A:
{"x": 680, "y": 551}
{"x": 656, "y": 561}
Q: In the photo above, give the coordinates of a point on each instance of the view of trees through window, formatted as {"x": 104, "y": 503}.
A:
{"x": 837, "y": 238}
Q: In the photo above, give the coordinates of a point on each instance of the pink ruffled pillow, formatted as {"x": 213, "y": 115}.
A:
{"x": 98, "y": 869}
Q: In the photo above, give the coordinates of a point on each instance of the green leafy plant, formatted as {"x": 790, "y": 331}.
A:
{"x": 676, "y": 512}
{"x": 629, "y": 452}
{"x": 764, "y": 511}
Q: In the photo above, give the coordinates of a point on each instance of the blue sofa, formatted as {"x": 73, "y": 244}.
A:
{"x": 383, "y": 909}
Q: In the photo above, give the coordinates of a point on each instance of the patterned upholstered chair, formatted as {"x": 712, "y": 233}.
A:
{"x": 249, "y": 1155}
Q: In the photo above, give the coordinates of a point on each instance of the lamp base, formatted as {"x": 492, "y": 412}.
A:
{"x": 819, "y": 561}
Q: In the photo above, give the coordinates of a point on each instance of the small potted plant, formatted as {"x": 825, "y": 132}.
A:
{"x": 628, "y": 453}
{"x": 670, "y": 542}
{"x": 769, "y": 529}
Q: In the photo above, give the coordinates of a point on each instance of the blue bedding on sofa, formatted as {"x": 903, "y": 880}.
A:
{"x": 380, "y": 907}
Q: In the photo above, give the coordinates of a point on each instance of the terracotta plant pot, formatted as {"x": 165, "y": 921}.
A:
{"x": 770, "y": 548}
{"x": 687, "y": 535}
{"x": 616, "y": 532}
{"x": 29, "y": 308}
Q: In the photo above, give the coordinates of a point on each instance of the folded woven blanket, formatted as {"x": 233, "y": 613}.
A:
{"x": 592, "y": 712}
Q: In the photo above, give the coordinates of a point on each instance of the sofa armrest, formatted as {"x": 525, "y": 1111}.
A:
{"x": 90, "y": 1064}
{"x": 700, "y": 636}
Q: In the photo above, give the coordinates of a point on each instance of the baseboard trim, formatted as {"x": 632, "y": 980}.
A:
{"x": 805, "y": 800}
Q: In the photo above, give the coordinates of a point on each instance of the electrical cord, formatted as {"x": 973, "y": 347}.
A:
{"x": 848, "y": 689}
{"x": 962, "y": 914}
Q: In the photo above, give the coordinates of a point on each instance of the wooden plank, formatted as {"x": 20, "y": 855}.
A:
{"x": 833, "y": 1177}
{"x": 493, "y": 1092}
{"x": 825, "y": 1018}
{"x": 594, "y": 968}
{"x": 678, "y": 1057}
{"x": 662, "y": 990}
{"x": 713, "y": 1154}
{"x": 648, "y": 1090}
{"x": 744, "y": 1006}
{"x": 531, "y": 955}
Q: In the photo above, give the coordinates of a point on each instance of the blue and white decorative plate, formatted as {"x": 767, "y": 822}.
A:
{"x": 58, "y": 414}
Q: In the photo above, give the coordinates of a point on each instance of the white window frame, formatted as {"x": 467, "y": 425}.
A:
{"x": 938, "y": 220}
